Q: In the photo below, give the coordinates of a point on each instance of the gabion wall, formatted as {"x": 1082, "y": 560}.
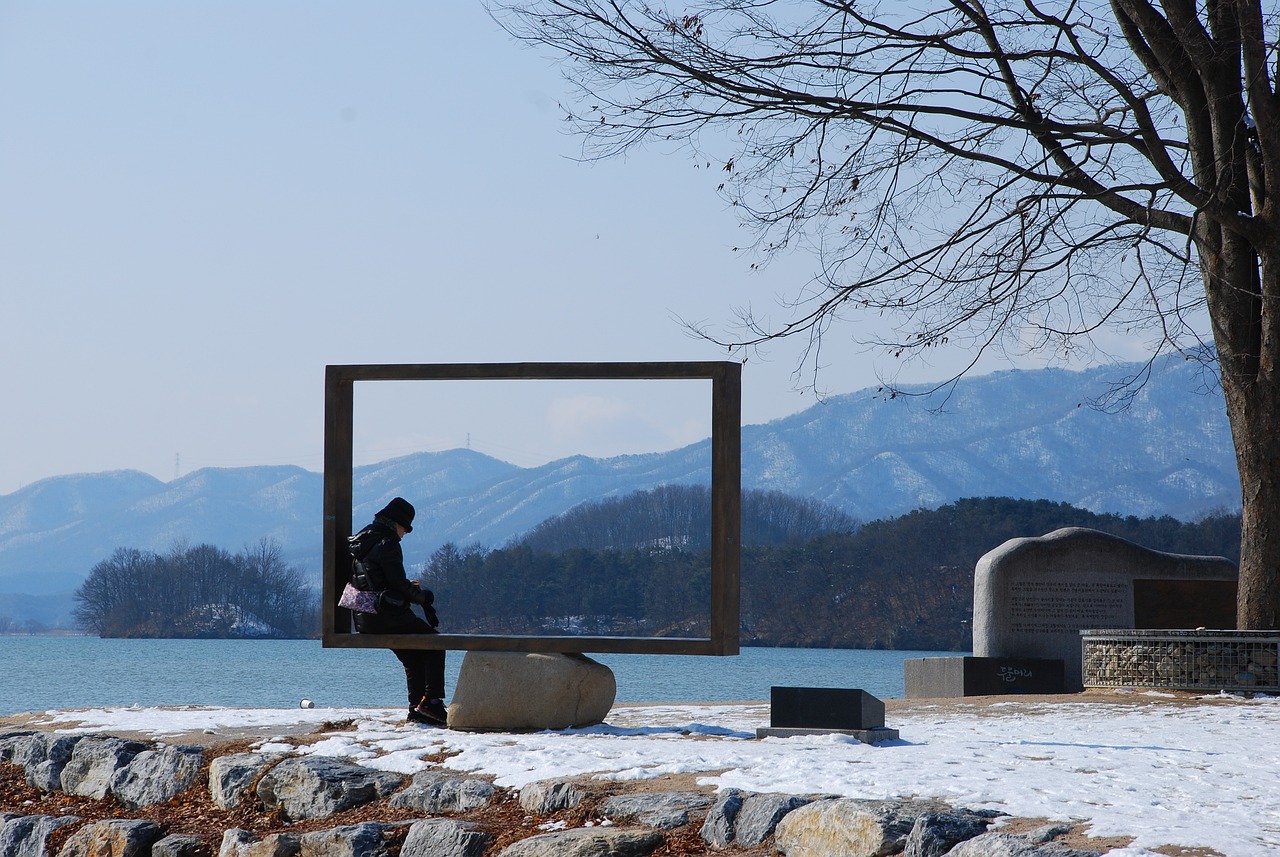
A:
{"x": 1182, "y": 660}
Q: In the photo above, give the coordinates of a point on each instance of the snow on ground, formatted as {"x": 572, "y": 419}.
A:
{"x": 1200, "y": 774}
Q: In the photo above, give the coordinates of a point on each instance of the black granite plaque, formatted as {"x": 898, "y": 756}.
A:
{"x": 824, "y": 708}
{"x": 928, "y": 678}
{"x": 1184, "y": 604}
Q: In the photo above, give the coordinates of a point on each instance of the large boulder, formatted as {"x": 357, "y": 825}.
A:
{"x": 544, "y": 797}
{"x": 444, "y": 837}
{"x": 664, "y": 810}
{"x": 242, "y": 843}
{"x": 180, "y": 845}
{"x": 517, "y": 692}
{"x": 46, "y": 775}
{"x": 587, "y": 842}
{"x": 155, "y": 776}
{"x": 230, "y": 776}
{"x": 93, "y": 764}
{"x": 937, "y": 833}
{"x": 26, "y": 835}
{"x": 760, "y": 815}
{"x": 718, "y": 828}
{"x": 113, "y": 838}
{"x": 366, "y": 839}
{"x": 315, "y": 786}
{"x": 436, "y": 792}
{"x": 849, "y": 827}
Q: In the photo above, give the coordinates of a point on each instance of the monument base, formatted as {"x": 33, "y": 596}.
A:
{"x": 934, "y": 678}
{"x": 866, "y": 736}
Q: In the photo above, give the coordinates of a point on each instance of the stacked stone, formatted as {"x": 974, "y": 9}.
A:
{"x": 313, "y": 787}
{"x": 1181, "y": 663}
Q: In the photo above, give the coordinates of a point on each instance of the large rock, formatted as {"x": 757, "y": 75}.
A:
{"x": 180, "y": 845}
{"x": 849, "y": 827}
{"x": 718, "y": 827}
{"x": 760, "y": 816}
{"x": 587, "y": 842}
{"x": 232, "y": 775}
{"x": 937, "y": 833}
{"x": 443, "y": 837}
{"x": 435, "y": 792}
{"x": 155, "y": 776}
{"x": 547, "y": 796}
{"x": 1012, "y": 845}
{"x": 366, "y": 839}
{"x": 242, "y": 843}
{"x": 94, "y": 762}
{"x": 314, "y": 787}
{"x": 9, "y": 740}
{"x": 47, "y": 774}
{"x": 26, "y": 835}
{"x": 665, "y": 810}
{"x": 113, "y": 838}
{"x": 510, "y": 691}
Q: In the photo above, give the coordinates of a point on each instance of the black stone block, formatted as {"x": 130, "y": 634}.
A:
{"x": 928, "y": 678}
{"x": 824, "y": 708}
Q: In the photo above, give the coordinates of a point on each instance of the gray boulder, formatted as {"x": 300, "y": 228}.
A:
{"x": 665, "y": 810}
{"x": 7, "y": 742}
{"x": 242, "y": 843}
{"x": 155, "y": 776}
{"x": 26, "y": 835}
{"x": 937, "y": 833}
{"x": 849, "y": 827}
{"x": 314, "y": 786}
{"x": 587, "y": 842}
{"x": 231, "y": 775}
{"x": 181, "y": 845}
{"x": 47, "y": 774}
{"x": 547, "y": 796}
{"x": 93, "y": 763}
{"x": 113, "y": 838}
{"x": 760, "y": 816}
{"x": 367, "y": 839}
{"x": 25, "y": 749}
{"x": 518, "y": 692}
{"x": 718, "y": 827}
{"x": 1013, "y": 845}
{"x": 435, "y": 792}
{"x": 444, "y": 837}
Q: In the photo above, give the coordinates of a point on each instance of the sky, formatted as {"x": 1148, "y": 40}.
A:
{"x": 1195, "y": 774}
{"x": 203, "y": 205}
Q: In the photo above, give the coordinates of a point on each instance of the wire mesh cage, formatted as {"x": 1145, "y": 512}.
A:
{"x": 1182, "y": 660}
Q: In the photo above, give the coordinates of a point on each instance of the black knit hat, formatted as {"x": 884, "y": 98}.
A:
{"x": 399, "y": 511}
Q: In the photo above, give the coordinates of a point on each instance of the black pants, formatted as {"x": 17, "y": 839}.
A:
{"x": 423, "y": 673}
{"x": 423, "y": 668}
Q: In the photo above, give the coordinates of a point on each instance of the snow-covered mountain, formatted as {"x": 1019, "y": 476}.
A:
{"x": 1027, "y": 434}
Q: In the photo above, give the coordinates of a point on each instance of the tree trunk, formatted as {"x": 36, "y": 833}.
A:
{"x": 1249, "y": 381}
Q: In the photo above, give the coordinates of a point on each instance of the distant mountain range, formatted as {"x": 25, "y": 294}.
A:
{"x": 1025, "y": 434}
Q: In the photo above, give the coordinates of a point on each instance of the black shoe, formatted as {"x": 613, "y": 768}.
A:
{"x": 430, "y": 711}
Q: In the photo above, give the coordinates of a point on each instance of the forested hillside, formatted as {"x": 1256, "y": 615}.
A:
{"x": 904, "y": 583}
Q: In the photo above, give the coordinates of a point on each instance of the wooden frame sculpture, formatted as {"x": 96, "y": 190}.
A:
{"x": 726, "y": 503}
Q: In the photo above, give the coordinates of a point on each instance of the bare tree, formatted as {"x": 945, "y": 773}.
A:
{"x": 993, "y": 174}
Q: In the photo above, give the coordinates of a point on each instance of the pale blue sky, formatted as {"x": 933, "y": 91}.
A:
{"x": 202, "y": 205}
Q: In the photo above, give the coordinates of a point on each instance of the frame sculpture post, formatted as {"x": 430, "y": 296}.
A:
{"x": 726, "y": 503}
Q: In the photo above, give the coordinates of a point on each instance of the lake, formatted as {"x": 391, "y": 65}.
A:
{"x": 46, "y": 672}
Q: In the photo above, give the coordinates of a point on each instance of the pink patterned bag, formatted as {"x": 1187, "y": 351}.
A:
{"x": 358, "y": 600}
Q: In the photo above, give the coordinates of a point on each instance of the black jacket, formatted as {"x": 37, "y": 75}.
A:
{"x": 377, "y": 547}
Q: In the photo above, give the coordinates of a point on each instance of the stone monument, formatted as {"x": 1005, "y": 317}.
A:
{"x": 1033, "y": 596}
